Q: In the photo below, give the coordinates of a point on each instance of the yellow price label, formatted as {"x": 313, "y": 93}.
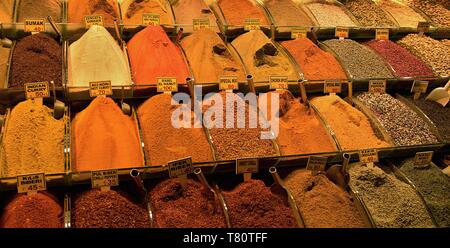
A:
{"x": 167, "y": 84}
{"x": 31, "y": 183}
{"x": 228, "y": 83}
{"x": 37, "y": 90}
{"x": 316, "y": 164}
{"x": 368, "y": 156}
{"x": 252, "y": 24}
{"x": 149, "y": 19}
{"x": 423, "y": 159}
{"x": 93, "y": 20}
{"x": 104, "y": 178}
{"x": 200, "y": 24}
{"x": 100, "y": 88}
{"x": 382, "y": 34}
{"x": 34, "y": 25}
{"x": 419, "y": 86}
{"x": 247, "y": 165}
{"x": 377, "y": 86}
{"x": 341, "y": 32}
{"x": 423, "y": 27}
{"x": 180, "y": 167}
{"x": 299, "y": 33}
{"x": 278, "y": 82}
{"x": 332, "y": 87}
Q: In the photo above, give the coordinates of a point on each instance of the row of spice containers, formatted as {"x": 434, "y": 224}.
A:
{"x": 72, "y": 63}
{"x": 382, "y": 195}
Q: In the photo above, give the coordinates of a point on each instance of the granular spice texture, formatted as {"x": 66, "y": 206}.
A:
{"x": 103, "y": 137}
{"x": 322, "y": 203}
{"x": 300, "y": 132}
{"x": 132, "y": 11}
{"x": 209, "y": 57}
{"x": 78, "y": 9}
{"x": 360, "y": 61}
{"x": 404, "y": 15}
{"x": 391, "y": 202}
{"x": 436, "y": 11}
{"x": 252, "y": 205}
{"x": 368, "y": 13}
{"x": 314, "y": 63}
{"x": 36, "y": 58}
{"x": 233, "y": 143}
{"x": 39, "y": 9}
{"x": 287, "y": 13}
{"x": 329, "y": 15}
{"x": 434, "y": 187}
{"x": 404, "y": 125}
{"x": 108, "y": 209}
{"x": 191, "y": 207}
{"x": 439, "y": 115}
{"x": 40, "y": 210}
{"x": 432, "y": 52}
{"x": 33, "y": 141}
{"x": 6, "y": 11}
{"x": 164, "y": 142}
{"x": 236, "y": 11}
{"x": 401, "y": 60}
{"x": 352, "y": 128}
{"x": 187, "y": 10}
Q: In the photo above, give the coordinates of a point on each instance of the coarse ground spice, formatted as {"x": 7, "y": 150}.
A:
{"x": 39, "y": 9}
{"x": 322, "y": 203}
{"x": 4, "y": 61}
{"x": 252, "y": 205}
{"x": 436, "y": 11}
{"x": 391, "y": 202}
{"x": 96, "y": 56}
{"x": 439, "y": 115}
{"x": 401, "y": 60}
{"x": 6, "y": 11}
{"x": 164, "y": 142}
{"x": 132, "y": 11}
{"x": 108, "y": 209}
{"x": 236, "y": 11}
{"x": 78, "y": 9}
{"x": 287, "y": 13}
{"x": 314, "y": 63}
{"x": 368, "y": 13}
{"x": 404, "y": 125}
{"x": 145, "y": 47}
{"x": 40, "y": 210}
{"x": 103, "y": 137}
{"x": 352, "y": 128}
{"x": 186, "y": 10}
{"x": 329, "y": 15}
{"x": 446, "y": 42}
{"x": 434, "y": 187}
{"x": 36, "y": 58}
{"x": 432, "y": 52}
{"x": 233, "y": 143}
{"x": 209, "y": 58}
{"x": 262, "y": 58}
{"x": 191, "y": 207}
{"x": 301, "y": 132}
{"x": 360, "y": 61}
{"x": 404, "y": 15}
{"x": 33, "y": 141}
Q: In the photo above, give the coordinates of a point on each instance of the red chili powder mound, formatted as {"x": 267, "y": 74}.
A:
{"x": 103, "y": 137}
{"x": 77, "y": 10}
{"x": 322, "y": 203}
{"x": 192, "y": 207}
{"x": 153, "y": 54}
{"x": 252, "y": 205}
{"x": 236, "y": 11}
{"x": 40, "y": 210}
{"x": 315, "y": 63}
{"x": 403, "y": 62}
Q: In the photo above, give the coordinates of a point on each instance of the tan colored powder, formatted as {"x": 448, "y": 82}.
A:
{"x": 33, "y": 141}
{"x": 352, "y": 128}
{"x": 133, "y": 10}
{"x": 164, "y": 142}
{"x": 39, "y": 9}
{"x": 4, "y": 58}
{"x": 6, "y": 11}
{"x": 404, "y": 15}
{"x": 209, "y": 58}
{"x": 262, "y": 58}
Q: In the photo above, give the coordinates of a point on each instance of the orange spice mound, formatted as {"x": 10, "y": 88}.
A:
{"x": 315, "y": 63}
{"x": 236, "y": 11}
{"x": 104, "y": 138}
{"x": 77, "y": 10}
{"x": 153, "y": 54}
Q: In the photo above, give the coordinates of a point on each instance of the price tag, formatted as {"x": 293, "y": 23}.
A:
{"x": 278, "y": 82}
{"x": 104, "y": 178}
{"x": 423, "y": 159}
{"x": 93, "y": 20}
{"x": 341, "y": 32}
{"x": 228, "y": 83}
{"x": 316, "y": 164}
{"x": 377, "y": 86}
{"x": 31, "y": 183}
{"x": 200, "y": 24}
{"x": 423, "y": 27}
{"x": 100, "y": 88}
{"x": 180, "y": 168}
{"x": 332, "y": 87}
{"x": 419, "y": 86}
{"x": 382, "y": 34}
{"x": 34, "y": 25}
{"x": 149, "y": 19}
{"x": 299, "y": 33}
{"x": 247, "y": 166}
{"x": 252, "y": 24}
{"x": 37, "y": 90}
{"x": 368, "y": 156}
{"x": 167, "y": 85}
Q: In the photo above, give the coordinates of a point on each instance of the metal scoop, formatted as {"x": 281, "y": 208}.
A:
{"x": 5, "y": 42}
{"x": 55, "y": 28}
{"x": 126, "y": 108}
{"x": 440, "y": 95}
{"x": 58, "y": 106}
{"x": 142, "y": 192}
{"x": 338, "y": 174}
